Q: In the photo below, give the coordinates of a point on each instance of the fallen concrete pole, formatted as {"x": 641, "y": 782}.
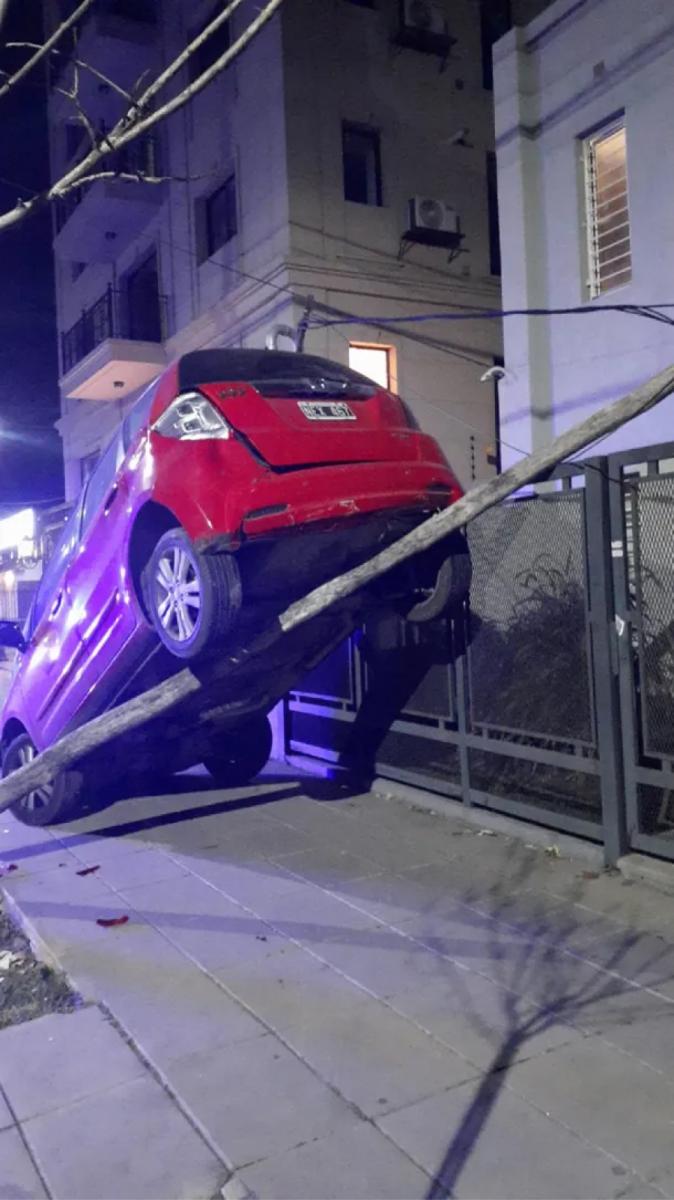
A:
{"x": 185, "y": 683}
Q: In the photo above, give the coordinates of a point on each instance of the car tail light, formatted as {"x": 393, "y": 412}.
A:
{"x": 192, "y": 418}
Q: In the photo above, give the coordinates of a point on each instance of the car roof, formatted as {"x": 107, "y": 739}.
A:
{"x": 215, "y": 366}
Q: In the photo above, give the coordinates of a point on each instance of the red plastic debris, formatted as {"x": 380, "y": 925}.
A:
{"x": 108, "y": 922}
{"x": 88, "y": 870}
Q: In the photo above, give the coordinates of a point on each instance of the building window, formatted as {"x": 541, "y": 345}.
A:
{"x": 362, "y": 164}
{"x": 495, "y": 21}
{"x": 219, "y": 219}
{"x": 212, "y": 49}
{"x": 492, "y": 212}
{"x": 609, "y": 252}
{"x": 376, "y": 362}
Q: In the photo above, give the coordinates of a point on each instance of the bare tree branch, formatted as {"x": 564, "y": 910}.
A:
{"x": 44, "y": 49}
{"x": 130, "y": 127}
{"x": 197, "y": 85}
{"x": 84, "y": 66}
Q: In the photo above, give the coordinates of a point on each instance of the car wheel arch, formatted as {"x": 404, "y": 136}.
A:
{"x": 151, "y": 521}
{"x": 12, "y": 730}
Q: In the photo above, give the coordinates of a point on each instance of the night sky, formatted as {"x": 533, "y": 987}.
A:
{"x": 30, "y": 448}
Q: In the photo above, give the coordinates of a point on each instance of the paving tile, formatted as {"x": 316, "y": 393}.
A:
{"x": 381, "y": 959}
{"x": 67, "y": 923}
{"x": 200, "y": 920}
{"x": 532, "y": 968}
{"x": 155, "y": 1153}
{"x": 167, "y": 1004}
{"x": 644, "y": 958}
{"x": 284, "y": 984}
{"x": 634, "y": 1020}
{"x": 476, "y": 1017}
{"x": 372, "y": 1055}
{"x": 6, "y": 1117}
{"x": 257, "y": 1099}
{"x": 584, "y": 1086}
{"x": 40, "y": 858}
{"x": 490, "y": 1144}
{"x": 18, "y": 1178}
{"x": 58, "y": 886}
{"x": 324, "y": 865}
{"x": 120, "y": 871}
{"x": 355, "y": 1162}
{"x": 57, "y": 1059}
{"x": 243, "y": 881}
{"x": 314, "y": 917}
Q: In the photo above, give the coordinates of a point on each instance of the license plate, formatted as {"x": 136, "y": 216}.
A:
{"x": 323, "y": 410}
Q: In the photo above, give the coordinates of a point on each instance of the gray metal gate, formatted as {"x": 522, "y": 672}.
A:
{"x": 554, "y": 701}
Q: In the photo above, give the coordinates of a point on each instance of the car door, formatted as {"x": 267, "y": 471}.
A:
{"x": 98, "y": 589}
{"x": 53, "y": 643}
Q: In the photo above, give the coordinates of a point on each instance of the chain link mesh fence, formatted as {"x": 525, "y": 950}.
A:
{"x": 529, "y": 645}
{"x": 653, "y": 561}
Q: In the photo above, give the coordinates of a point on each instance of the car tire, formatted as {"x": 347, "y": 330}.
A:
{"x": 241, "y": 753}
{"x": 47, "y": 805}
{"x": 444, "y": 574}
{"x": 192, "y": 599}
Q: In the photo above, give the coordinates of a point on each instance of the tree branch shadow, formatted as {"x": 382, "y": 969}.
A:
{"x": 545, "y": 981}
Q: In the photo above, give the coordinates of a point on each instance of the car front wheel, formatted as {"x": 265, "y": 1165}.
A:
{"x": 239, "y": 754}
{"x": 50, "y": 803}
{"x": 192, "y": 599}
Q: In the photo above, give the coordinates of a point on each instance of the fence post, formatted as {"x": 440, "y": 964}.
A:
{"x": 605, "y": 657}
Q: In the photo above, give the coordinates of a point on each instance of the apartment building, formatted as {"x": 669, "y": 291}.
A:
{"x": 347, "y": 155}
{"x": 585, "y": 174}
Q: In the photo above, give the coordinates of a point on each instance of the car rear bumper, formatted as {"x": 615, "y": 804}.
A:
{"x": 280, "y": 502}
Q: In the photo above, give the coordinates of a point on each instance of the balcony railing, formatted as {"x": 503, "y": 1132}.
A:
{"x": 141, "y": 157}
{"x": 114, "y": 316}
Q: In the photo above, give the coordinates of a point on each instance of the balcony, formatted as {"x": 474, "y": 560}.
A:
{"x": 131, "y": 21}
{"x": 115, "y": 347}
{"x": 110, "y": 212}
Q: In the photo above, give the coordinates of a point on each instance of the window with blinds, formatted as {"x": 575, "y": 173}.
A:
{"x": 607, "y": 213}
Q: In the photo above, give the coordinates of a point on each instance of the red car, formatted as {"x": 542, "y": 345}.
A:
{"x": 240, "y": 480}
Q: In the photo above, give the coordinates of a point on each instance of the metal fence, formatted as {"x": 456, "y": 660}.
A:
{"x": 553, "y": 698}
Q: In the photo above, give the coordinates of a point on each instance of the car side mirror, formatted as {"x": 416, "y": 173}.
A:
{"x": 11, "y": 636}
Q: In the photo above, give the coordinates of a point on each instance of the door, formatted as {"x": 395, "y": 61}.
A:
{"x": 142, "y": 302}
{"x": 99, "y": 592}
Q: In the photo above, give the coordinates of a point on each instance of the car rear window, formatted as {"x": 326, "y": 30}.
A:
{"x": 274, "y": 373}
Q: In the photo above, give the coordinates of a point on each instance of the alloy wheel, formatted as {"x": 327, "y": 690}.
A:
{"x": 179, "y": 594}
{"x": 41, "y": 797}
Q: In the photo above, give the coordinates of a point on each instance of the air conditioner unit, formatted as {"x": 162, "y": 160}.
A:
{"x": 433, "y": 223}
{"x": 424, "y": 26}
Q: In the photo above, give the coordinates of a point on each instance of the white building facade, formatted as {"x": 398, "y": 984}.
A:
{"x": 290, "y": 176}
{"x": 585, "y": 155}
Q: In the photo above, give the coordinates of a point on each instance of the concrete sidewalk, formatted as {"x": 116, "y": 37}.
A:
{"x": 333, "y": 996}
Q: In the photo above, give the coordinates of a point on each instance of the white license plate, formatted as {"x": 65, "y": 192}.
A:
{"x": 323, "y": 410}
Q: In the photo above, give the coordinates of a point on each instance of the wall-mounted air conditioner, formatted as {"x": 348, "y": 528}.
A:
{"x": 424, "y": 26}
{"x": 431, "y": 222}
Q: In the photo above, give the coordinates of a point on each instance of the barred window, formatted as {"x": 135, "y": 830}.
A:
{"x": 607, "y": 212}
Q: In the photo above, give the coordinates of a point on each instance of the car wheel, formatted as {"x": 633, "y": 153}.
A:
{"x": 240, "y": 754}
{"x": 443, "y": 577}
{"x": 50, "y": 803}
{"x": 192, "y": 599}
